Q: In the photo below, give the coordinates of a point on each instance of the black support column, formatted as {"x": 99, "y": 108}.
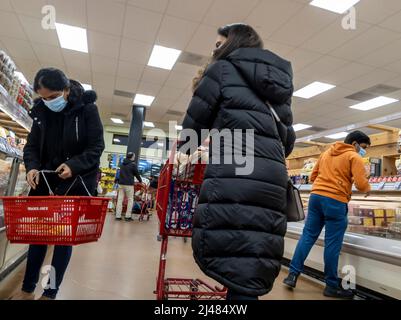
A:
{"x": 136, "y": 131}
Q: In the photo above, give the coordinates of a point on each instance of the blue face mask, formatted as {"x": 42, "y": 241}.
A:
{"x": 362, "y": 151}
{"x": 56, "y": 105}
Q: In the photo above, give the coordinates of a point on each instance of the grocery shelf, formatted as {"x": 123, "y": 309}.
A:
{"x": 376, "y": 187}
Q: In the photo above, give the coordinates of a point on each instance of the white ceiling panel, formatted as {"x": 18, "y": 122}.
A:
{"x": 76, "y": 60}
{"x": 384, "y": 56}
{"x": 304, "y": 25}
{"x": 126, "y": 84}
{"x": 141, "y": 24}
{"x": 103, "y": 44}
{"x": 186, "y": 68}
{"x": 149, "y": 89}
{"x": 346, "y": 73}
{"x": 135, "y": 51}
{"x": 300, "y": 58}
{"x": 155, "y": 75}
{"x": 369, "y": 80}
{"x": 204, "y": 40}
{"x": 19, "y": 48}
{"x": 104, "y": 65}
{"x": 176, "y": 33}
{"x": 371, "y": 40}
{"x": 321, "y": 67}
{"x": 375, "y": 11}
{"x": 35, "y": 32}
{"x": 29, "y": 67}
{"x": 48, "y": 55}
{"x": 264, "y": 17}
{"x": 153, "y": 5}
{"x": 130, "y": 70}
{"x": 103, "y": 80}
{"x": 81, "y": 75}
{"x": 106, "y": 16}
{"x": 193, "y": 10}
{"x": 393, "y": 22}
{"x": 223, "y": 12}
{"x": 5, "y": 5}
{"x": 170, "y": 93}
{"x": 29, "y": 8}
{"x": 179, "y": 80}
{"x": 72, "y": 12}
{"x": 10, "y": 25}
{"x": 279, "y": 48}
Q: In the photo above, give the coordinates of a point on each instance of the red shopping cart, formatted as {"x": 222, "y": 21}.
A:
{"x": 142, "y": 198}
{"x": 54, "y": 220}
{"x": 177, "y": 198}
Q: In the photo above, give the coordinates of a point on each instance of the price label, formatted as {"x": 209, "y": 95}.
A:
{"x": 381, "y": 185}
{"x": 397, "y": 185}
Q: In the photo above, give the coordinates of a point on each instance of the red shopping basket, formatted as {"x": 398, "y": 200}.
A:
{"x": 54, "y": 220}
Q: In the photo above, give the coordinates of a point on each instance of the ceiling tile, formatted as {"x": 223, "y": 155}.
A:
{"x": 103, "y": 44}
{"x": 81, "y": 75}
{"x": 5, "y": 5}
{"x": 71, "y": 12}
{"x": 76, "y": 60}
{"x": 155, "y": 75}
{"x": 103, "y": 80}
{"x": 48, "y": 55}
{"x": 203, "y": 41}
{"x": 186, "y": 68}
{"x": 321, "y": 67}
{"x": 149, "y": 89}
{"x": 346, "y": 73}
{"x": 176, "y": 33}
{"x": 29, "y": 8}
{"x": 369, "y": 41}
{"x": 193, "y": 10}
{"x": 179, "y": 80}
{"x": 371, "y": 79}
{"x": 384, "y": 56}
{"x": 35, "y": 32}
{"x": 279, "y": 48}
{"x": 27, "y": 66}
{"x": 10, "y": 26}
{"x": 130, "y": 70}
{"x": 170, "y": 93}
{"x": 300, "y": 58}
{"x": 264, "y": 17}
{"x": 126, "y": 84}
{"x": 223, "y": 12}
{"x": 135, "y": 51}
{"x": 393, "y": 22}
{"x": 104, "y": 65}
{"x": 106, "y": 16}
{"x": 374, "y": 11}
{"x": 17, "y": 48}
{"x": 153, "y": 5}
{"x": 141, "y": 24}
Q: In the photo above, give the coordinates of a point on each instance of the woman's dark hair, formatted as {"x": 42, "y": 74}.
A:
{"x": 358, "y": 137}
{"x": 56, "y": 80}
{"x": 238, "y": 35}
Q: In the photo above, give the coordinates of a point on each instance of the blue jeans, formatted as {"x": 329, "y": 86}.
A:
{"x": 36, "y": 257}
{"x": 333, "y": 215}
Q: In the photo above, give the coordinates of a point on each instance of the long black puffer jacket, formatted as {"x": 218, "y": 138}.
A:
{"x": 239, "y": 227}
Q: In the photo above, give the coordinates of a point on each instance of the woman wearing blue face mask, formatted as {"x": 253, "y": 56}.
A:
{"x": 66, "y": 138}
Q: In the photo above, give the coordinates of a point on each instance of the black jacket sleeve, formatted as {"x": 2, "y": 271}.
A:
{"x": 94, "y": 149}
{"x": 32, "y": 149}
{"x": 136, "y": 172}
{"x": 202, "y": 109}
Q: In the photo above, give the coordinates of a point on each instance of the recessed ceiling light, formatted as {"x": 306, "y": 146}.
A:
{"x": 72, "y": 38}
{"x": 21, "y": 77}
{"x": 313, "y": 90}
{"x": 164, "y": 58}
{"x": 337, "y": 6}
{"x": 178, "y": 127}
{"x": 339, "y": 135}
{"x": 301, "y": 126}
{"x": 87, "y": 86}
{"x": 149, "y": 124}
{"x": 143, "y": 100}
{"x": 118, "y": 121}
{"x": 374, "y": 103}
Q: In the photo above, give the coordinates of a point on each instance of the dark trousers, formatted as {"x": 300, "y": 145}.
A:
{"x": 36, "y": 257}
{"x": 331, "y": 214}
{"x": 235, "y": 296}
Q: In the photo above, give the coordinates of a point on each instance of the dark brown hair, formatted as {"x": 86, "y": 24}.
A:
{"x": 238, "y": 36}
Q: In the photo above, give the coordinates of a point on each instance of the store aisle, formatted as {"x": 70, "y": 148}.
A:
{"x": 124, "y": 263}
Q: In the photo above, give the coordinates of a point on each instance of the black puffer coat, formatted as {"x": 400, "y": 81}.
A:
{"x": 82, "y": 145}
{"x": 239, "y": 227}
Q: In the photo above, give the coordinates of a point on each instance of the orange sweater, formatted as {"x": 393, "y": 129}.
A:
{"x": 335, "y": 172}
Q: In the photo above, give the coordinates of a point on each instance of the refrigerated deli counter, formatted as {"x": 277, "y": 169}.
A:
{"x": 372, "y": 244}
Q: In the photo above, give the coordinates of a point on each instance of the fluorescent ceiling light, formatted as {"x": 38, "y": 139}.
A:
{"x": 301, "y": 126}
{"x": 164, "y": 58}
{"x": 118, "y": 121}
{"x": 337, "y": 6}
{"x": 72, "y": 38}
{"x": 339, "y": 135}
{"x": 178, "y": 127}
{"x": 87, "y": 86}
{"x": 374, "y": 103}
{"x": 160, "y": 144}
{"x": 21, "y": 77}
{"x": 149, "y": 124}
{"x": 143, "y": 100}
{"x": 313, "y": 90}
{"x": 117, "y": 140}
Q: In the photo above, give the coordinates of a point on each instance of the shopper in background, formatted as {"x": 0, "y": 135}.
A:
{"x": 239, "y": 227}
{"x": 67, "y": 138}
{"x": 335, "y": 172}
{"x": 126, "y": 181}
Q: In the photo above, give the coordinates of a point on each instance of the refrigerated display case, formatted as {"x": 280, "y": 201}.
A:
{"x": 372, "y": 243}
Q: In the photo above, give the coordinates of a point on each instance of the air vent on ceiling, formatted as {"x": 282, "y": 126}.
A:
{"x": 373, "y": 92}
{"x": 175, "y": 113}
{"x": 193, "y": 59}
{"x": 124, "y": 94}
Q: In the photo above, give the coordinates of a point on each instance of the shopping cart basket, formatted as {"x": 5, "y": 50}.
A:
{"x": 54, "y": 220}
{"x": 177, "y": 198}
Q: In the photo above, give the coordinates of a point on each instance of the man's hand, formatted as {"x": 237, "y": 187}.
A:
{"x": 33, "y": 178}
{"x": 64, "y": 172}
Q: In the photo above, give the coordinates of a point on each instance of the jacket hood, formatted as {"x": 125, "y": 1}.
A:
{"x": 126, "y": 161}
{"x": 339, "y": 148}
{"x": 269, "y": 75}
{"x": 89, "y": 97}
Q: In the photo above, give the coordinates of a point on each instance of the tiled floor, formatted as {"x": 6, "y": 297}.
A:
{"x": 124, "y": 264}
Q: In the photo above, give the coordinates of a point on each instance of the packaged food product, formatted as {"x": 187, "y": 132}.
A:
{"x": 379, "y": 222}
{"x": 368, "y": 222}
{"x": 378, "y": 213}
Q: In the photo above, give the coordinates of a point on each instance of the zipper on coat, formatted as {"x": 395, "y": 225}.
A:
{"x": 76, "y": 128}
